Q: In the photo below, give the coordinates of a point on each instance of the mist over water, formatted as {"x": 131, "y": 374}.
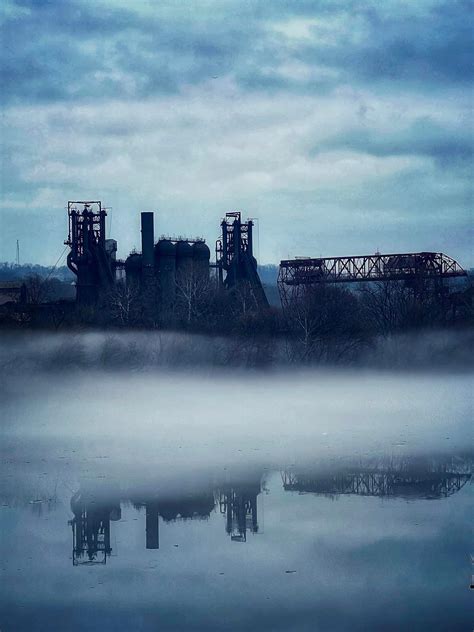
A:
{"x": 319, "y": 492}
{"x": 142, "y": 351}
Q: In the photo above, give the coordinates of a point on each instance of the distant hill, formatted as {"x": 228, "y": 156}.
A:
{"x": 268, "y": 274}
{"x": 13, "y": 272}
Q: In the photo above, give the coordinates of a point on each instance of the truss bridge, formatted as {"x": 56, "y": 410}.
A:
{"x": 296, "y": 274}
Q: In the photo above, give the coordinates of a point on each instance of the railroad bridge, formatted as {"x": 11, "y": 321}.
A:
{"x": 296, "y": 275}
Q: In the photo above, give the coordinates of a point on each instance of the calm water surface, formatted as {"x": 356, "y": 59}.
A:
{"x": 172, "y": 501}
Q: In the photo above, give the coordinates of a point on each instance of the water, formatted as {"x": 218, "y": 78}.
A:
{"x": 211, "y": 500}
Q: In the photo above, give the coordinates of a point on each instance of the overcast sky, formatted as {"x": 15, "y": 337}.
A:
{"x": 344, "y": 126}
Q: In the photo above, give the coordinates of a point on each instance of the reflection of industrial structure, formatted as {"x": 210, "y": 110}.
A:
{"x": 237, "y": 499}
{"x": 405, "y": 480}
{"x": 190, "y": 507}
{"x": 234, "y": 257}
{"x": 91, "y": 526}
{"x": 95, "y": 508}
{"x": 239, "y": 506}
{"x": 296, "y": 276}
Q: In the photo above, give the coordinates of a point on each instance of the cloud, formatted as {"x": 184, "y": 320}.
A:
{"x": 331, "y": 122}
{"x": 83, "y": 50}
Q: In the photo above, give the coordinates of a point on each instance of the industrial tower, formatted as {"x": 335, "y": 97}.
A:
{"x": 234, "y": 257}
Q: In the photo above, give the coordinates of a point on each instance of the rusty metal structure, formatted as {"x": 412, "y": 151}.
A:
{"x": 297, "y": 275}
{"x": 235, "y": 260}
{"x": 91, "y": 255}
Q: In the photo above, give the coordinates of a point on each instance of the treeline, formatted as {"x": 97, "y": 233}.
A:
{"x": 198, "y": 304}
{"x": 324, "y": 323}
{"x": 42, "y": 284}
{"x": 320, "y": 324}
{"x": 333, "y": 322}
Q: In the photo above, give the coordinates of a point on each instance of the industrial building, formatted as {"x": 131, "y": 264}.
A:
{"x": 171, "y": 267}
{"x": 162, "y": 266}
{"x": 12, "y": 292}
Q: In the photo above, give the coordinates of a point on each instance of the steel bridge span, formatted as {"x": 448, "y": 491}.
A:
{"x": 297, "y": 274}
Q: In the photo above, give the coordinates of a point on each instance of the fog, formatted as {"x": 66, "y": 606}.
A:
{"x": 165, "y": 445}
{"x": 78, "y": 392}
{"x": 141, "y": 351}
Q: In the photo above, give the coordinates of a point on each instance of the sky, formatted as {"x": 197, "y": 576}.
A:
{"x": 344, "y": 126}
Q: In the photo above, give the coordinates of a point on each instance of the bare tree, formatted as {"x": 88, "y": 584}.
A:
{"x": 193, "y": 291}
{"x": 391, "y": 306}
{"x": 123, "y": 302}
{"x": 38, "y": 290}
{"x": 245, "y": 302}
{"x": 325, "y": 324}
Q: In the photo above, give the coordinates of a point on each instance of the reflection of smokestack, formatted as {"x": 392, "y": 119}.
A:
{"x": 152, "y": 527}
{"x": 147, "y": 244}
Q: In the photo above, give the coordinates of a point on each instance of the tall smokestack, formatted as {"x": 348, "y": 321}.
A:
{"x": 147, "y": 243}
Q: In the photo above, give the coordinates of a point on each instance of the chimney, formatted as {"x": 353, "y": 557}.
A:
{"x": 147, "y": 242}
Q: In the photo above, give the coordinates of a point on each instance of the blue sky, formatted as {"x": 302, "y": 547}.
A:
{"x": 344, "y": 126}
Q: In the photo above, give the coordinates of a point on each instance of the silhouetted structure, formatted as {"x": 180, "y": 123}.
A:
{"x": 168, "y": 282}
{"x": 148, "y": 259}
{"x": 162, "y": 268}
{"x": 13, "y": 292}
{"x": 235, "y": 259}
{"x": 92, "y": 256}
{"x": 297, "y": 275}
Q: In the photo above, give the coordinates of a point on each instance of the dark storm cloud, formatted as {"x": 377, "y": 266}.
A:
{"x": 429, "y": 45}
{"x": 55, "y": 50}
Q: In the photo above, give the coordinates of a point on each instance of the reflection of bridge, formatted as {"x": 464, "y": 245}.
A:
{"x": 402, "y": 484}
{"x": 296, "y": 274}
